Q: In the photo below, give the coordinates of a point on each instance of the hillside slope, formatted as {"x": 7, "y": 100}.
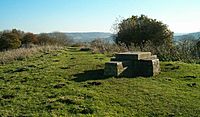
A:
{"x": 192, "y": 36}
{"x": 71, "y": 83}
{"x": 90, "y": 36}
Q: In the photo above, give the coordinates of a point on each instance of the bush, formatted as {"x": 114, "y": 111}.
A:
{"x": 19, "y": 33}
{"x": 53, "y": 39}
{"x": 101, "y": 46}
{"x": 61, "y": 38}
{"x": 9, "y": 41}
{"x": 140, "y": 30}
{"x": 29, "y": 38}
{"x": 44, "y": 39}
{"x": 12, "y": 39}
{"x": 186, "y": 51}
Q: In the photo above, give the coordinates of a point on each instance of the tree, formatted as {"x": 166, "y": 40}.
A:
{"x": 19, "y": 33}
{"x": 60, "y": 38}
{"x": 29, "y": 38}
{"x": 45, "y": 39}
{"x": 140, "y": 30}
{"x": 9, "y": 41}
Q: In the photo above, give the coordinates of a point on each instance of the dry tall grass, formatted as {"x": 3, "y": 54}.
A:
{"x": 100, "y": 46}
{"x": 22, "y": 53}
{"x": 185, "y": 51}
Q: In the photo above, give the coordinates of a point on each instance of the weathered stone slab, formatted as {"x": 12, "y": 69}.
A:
{"x": 113, "y": 68}
{"x": 148, "y": 67}
{"x": 132, "y": 56}
{"x": 152, "y": 57}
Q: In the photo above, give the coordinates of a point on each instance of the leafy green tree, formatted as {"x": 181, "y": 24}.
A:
{"x": 55, "y": 38}
{"x": 19, "y": 33}
{"x": 29, "y": 38}
{"x": 44, "y": 39}
{"x": 140, "y": 30}
{"x": 9, "y": 41}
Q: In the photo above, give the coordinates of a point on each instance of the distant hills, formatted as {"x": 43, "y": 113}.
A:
{"x": 90, "y": 36}
{"x": 191, "y": 36}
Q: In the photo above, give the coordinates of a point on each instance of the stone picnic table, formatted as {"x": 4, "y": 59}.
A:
{"x": 133, "y": 64}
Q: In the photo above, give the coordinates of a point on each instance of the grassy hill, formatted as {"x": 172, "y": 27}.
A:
{"x": 69, "y": 82}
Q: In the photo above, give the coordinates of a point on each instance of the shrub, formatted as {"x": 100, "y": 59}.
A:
{"x": 44, "y": 39}
{"x": 52, "y": 39}
{"x": 140, "y": 30}
{"x": 61, "y": 38}
{"x": 101, "y": 46}
{"x": 9, "y": 41}
{"x": 29, "y": 38}
{"x": 185, "y": 51}
{"x": 19, "y": 33}
{"x": 188, "y": 50}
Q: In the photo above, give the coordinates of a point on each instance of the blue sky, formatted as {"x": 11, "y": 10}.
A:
{"x": 182, "y": 16}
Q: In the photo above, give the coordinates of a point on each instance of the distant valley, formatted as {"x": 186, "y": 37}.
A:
{"x": 90, "y": 36}
{"x": 192, "y": 36}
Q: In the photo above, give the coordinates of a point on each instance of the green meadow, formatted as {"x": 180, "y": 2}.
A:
{"x": 69, "y": 82}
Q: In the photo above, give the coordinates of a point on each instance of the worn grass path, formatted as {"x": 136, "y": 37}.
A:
{"x": 71, "y": 83}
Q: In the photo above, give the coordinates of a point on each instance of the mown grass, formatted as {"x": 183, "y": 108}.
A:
{"x": 69, "y": 82}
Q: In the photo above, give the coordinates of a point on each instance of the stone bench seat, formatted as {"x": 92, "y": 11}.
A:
{"x": 113, "y": 68}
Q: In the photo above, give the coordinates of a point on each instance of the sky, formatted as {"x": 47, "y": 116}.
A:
{"x": 182, "y": 16}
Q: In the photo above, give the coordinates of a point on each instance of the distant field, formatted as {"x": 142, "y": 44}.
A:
{"x": 69, "y": 82}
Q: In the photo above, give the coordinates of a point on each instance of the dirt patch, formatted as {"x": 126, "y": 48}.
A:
{"x": 56, "y": 60}
{"x": 67, "y": 67}
{"x": 169, "y": 64}
{"x": 21, "y": 69}
{"x": 94, "y": 83}
{"x": 66, "y": 100}
{"x": 59, "y": 85}
{"x": 81, "y": 109}
{"x": 8, "y": 96}
{"x": 189, "y": 77}
{"x": 192, "y": 84}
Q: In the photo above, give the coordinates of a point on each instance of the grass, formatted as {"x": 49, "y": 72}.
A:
{"x": 69, "y": 82}
{"x": 23, "y": 53}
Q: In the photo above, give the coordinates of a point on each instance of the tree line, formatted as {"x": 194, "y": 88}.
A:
{"x": 13, "y": 39}
{"x": 135, "y": 32}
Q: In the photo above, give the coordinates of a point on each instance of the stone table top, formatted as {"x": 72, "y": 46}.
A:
{"x": 133, "y": 55}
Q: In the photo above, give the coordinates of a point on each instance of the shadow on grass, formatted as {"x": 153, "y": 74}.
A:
{"x": 90, "y": 75}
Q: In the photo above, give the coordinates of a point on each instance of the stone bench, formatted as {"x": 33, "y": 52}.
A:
{"x": 132, "y": 64}
{"x": 113, "y": 68}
